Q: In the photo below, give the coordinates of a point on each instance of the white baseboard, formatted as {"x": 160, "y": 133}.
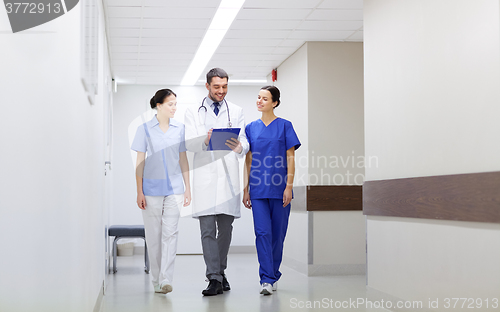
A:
{"x": 295, "y": 265}
{"x": 98, "y": 302}
{"x": 324, "y": 269}
{"x": 336, "y": 269}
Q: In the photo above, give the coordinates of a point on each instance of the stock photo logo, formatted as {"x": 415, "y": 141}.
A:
{"x": 25, "y": 14}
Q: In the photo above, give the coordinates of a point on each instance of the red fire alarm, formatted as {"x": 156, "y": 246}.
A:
{"x": 274, "y": 75}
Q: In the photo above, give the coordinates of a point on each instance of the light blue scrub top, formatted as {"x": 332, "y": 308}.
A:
{"x": 268, "y": 145}
{"x": 162, "y": 172}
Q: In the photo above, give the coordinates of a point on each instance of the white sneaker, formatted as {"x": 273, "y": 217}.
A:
{"x": 166, "y": 288}
{"x": 163, "y": 289}
{"x": 266, "y": 289}
{"x": 275, "y": 286}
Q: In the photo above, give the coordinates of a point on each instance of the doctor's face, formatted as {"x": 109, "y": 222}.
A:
{"x": 265, "y": 101}
{"x": 217, "y": 89}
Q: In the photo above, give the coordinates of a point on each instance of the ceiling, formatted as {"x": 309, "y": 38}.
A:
{"x": 154, "y": 41}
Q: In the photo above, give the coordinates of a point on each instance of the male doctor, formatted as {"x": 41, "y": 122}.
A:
{"x": 216, "y": 180}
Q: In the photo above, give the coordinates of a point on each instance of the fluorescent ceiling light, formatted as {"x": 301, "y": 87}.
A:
{"x": 223, "y": 18}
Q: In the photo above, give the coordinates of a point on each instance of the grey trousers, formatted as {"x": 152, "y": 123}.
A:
{"x": 216, "y": 232}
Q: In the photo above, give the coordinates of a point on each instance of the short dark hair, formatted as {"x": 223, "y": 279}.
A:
{"x": 275, "y": 94}
{"x": 216, "y": 72}
{"x": 160, "y": 96}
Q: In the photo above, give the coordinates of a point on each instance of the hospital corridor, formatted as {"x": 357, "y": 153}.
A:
{"x": 250, "y": 155}
{"x": 131, "y": 290}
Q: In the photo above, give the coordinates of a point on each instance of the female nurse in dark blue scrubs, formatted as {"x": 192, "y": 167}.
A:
{"x": 268, "y": 190}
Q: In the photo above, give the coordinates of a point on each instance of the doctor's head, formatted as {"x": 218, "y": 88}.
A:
{"x": 217, "y": 84}
{"x": 165, "y": 103}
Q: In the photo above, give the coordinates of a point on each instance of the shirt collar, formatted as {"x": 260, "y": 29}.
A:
{"x": 222, "y": 104}
{"x": 210, "y": 102}
{"x": 154, "y": 122}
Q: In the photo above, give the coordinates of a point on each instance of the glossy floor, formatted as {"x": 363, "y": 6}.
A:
{"x": 131, "y": 290}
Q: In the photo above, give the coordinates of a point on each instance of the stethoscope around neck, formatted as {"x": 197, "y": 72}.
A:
{"x": 229, "y": 123}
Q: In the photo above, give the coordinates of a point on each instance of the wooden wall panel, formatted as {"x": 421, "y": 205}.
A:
{"x": 462, "y": 197}
{"x": 334, "y": 198}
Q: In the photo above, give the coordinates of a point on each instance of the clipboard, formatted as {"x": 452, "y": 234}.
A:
{"x": 220, "y": 136}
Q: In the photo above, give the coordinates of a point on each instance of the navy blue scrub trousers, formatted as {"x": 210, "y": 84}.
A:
{"x": 270, "y": 221}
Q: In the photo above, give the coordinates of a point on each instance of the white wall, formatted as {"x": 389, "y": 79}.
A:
{"x": 52, "y": 223}
{"x": 432, "y": 73}
{"x": 339, "y": 243}
{"x": 336, "y": 124}
{"x": 323, "y": 82}
{"x": 131, "y": 101}
{"x": 292, "y": 82}
{"x": 431, "y": 100}
{"x": 336, "y": 152}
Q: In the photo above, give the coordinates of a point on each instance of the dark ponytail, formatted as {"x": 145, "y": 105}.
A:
{"x": 160, "y": 96}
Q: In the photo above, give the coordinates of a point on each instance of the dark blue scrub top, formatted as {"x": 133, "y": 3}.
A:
{"x": 269, "y": 166}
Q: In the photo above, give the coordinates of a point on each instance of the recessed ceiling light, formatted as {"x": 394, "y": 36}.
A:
{"x": 223, "y": 18}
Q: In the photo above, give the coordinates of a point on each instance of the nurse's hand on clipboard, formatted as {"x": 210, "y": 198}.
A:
{"x": 235, "y": 145}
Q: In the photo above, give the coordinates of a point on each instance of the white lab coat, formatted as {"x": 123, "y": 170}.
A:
{"x": 215, "y": 190}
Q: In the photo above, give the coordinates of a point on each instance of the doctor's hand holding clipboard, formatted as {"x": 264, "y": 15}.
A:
{"x": 224, "y": 139}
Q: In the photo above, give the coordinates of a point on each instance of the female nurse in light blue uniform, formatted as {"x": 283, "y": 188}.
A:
{"x": 162, "y": 185}
{"x": 268, "y": 190}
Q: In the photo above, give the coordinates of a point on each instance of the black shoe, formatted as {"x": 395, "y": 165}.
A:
{"x": 213, "y": 288}
{"x": 225, "y": 283}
